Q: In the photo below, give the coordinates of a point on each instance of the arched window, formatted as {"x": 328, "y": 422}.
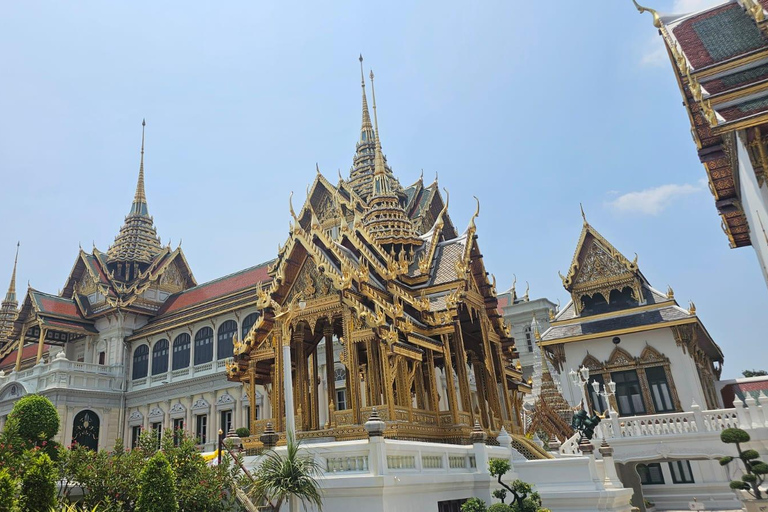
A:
{"x": 181, "y": 351}
{"x": 227, "y": 331}
{"x": 85, "y": 428}
{"x": 140, "y": 362}
{"x": 248, "y": 323}
{"x": 160, "y": 357}
{"x": 203, "y": 345}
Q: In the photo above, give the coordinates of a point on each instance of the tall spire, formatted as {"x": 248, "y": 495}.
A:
{"x": 366, "y": 130}
{"x": 380, "y": 182}
{"x": 139, "y": 206}
{"x": 9, "y": 308}
{"x": 137, "y": 241}
{"x": 11, "y": 295}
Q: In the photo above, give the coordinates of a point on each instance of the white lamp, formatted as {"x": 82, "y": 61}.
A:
{"x": 584, "y": 373}
{"x": 574, "y": 377}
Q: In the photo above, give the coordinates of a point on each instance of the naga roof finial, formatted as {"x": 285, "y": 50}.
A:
{"x": 474, "y": 215}
{"x": 583, "y": 215}
{"x": 290, "y": 206}
{"x": 641, "y": 9}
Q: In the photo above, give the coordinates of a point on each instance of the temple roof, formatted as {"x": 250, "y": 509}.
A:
{"x": 720, "y": 59}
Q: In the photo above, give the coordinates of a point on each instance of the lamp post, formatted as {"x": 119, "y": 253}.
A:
{"x": 580, "y": 380}
{"x": 608, "y": 391}
{"x": 221, "y": 444}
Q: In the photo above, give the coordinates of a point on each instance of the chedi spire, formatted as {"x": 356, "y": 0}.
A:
{"x": 137, "y": 241}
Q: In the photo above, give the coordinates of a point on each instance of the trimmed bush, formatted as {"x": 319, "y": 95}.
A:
{"x": 34, "y": 419}
{"x": 158, "y": 491}
{"x": 243, "y": 432}
{"x": 499, "y": 507}
{"x": 474, "y": 505}
{"x": 38, "y": 485}
{"x": 755, "y": 469}
{"x": 7, "y": 492}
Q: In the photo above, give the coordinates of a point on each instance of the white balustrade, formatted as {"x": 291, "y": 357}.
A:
{"x": 401, "y": 461}
{"x": 431, "y": 462}
{"x": 346, "y": 464}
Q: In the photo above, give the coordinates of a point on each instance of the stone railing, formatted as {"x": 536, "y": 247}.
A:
{"x": 62, "y": 373}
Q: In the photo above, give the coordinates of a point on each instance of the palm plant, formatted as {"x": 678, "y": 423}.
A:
{"x": 281, "y": 476}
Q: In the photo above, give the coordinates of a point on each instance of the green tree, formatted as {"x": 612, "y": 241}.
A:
{"x": 38, "y": 485}
{"x": 474, "y": 505}
{"x": 524, "y": 498}
{"x": 755, "y": 469}
{"x": 34, "y": 419}
{"x": 754, "y": 373}
{"x": 7, "y": 491}
{"x": 281, "y": 476}
{"x": 158, "y": 487}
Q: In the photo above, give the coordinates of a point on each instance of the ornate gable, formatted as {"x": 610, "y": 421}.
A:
{"x": 598, "y": 269}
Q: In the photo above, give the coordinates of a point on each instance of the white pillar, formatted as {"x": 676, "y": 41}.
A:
{"x": 290, "y": 417}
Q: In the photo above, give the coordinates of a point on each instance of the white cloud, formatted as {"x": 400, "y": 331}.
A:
{"x": 653, "y": 201}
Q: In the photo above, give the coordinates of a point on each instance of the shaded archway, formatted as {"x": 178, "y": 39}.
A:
{"x": 85, "y": 429}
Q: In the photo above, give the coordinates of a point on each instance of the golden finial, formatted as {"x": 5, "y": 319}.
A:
{"x": 141, "y": 196}
{"x": 290, "y": 206}
{"x": 378, "y": 160}
{"x": 421, "y": 177}
{"x": 474, "y": 215}
{"x": 670, "y": 292}
{"x": 440, "y": 221}
{"x": 317, "y": 168}
{"x": 656, "y": 18}
{"x": 551, "y": 315}
{"x": 340, "y": 177}
{"x": 583, "y": 215}
{"x": 691, "y": 308}
{"x": 435, "y": 178}
{"x": 512, "y": 290}
{"x": 527, "y": 289}
{"x": 362, "y": 75}
{"x": 11, "y": 295}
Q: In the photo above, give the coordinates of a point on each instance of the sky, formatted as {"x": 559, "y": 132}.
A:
{"x": 533, "y": 108}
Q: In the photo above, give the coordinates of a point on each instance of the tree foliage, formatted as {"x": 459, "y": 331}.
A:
{"x": 474, "y": 505}
{"x": 158, "y": 488}
{"x": 38, "y": 485}
{"x": 754, "y": 373}
{"x": 34, "y": 419}
{"x": 524, "y": 498}
{"x": 7, "y": 492}
{"x": 755, "y": 470}
{"x": 110, "y": 479}
{"x": 281, "y": 476}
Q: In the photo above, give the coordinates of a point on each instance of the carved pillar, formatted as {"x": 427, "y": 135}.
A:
{"x": 20, "y": 349}
{"x": 482, "y": 391}
{"x": 353, "y": 386}
{"x": 330, "y": 371}
{"x": 491, "y": 372}
{"x": 252, "y": 396}
{"x": 434, "y": 401}
{"x": 388, "y": 365}
{"x": 374, "y": 370}
{"x": 461, "y": 369}
{"x": 504, "y": 385}
{"x": 313, "y": 389}
{"x": 452, "y": 400}
{"x": 300, "y": 381}
{"x": 278, "y": 406}
{"x": 418, "y": 382}
{"x": 40, "y": 343}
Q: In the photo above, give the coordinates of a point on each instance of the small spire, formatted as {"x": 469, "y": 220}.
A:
{"x": 583, "y": 215}
{"x": 11, "y": 295}
{"x": 379, "y": 157}
{"x": 366, "y": 131}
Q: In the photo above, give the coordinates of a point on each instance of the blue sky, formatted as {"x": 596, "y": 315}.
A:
{"x": 532, "y": 107}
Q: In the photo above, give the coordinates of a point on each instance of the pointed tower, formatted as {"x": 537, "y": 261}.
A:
{"x": 385, "y": 218}
{"x": 9, "y": 306}
{"x": 363, "y": 167}
{"x": 137, "y": 244}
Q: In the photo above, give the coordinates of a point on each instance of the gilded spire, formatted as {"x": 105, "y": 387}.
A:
{"x": 140, "y": 198}
{"x": 137, "y": 241}
{"x": 11, "y": 295}
{"x": 361, "y": 174}
{"x": 9, "y": 307}
{"x": 378, "y": 163}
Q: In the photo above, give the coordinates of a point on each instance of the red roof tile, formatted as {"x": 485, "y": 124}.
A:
{"x": 218, "y": 288}
{"x": 57, "y": 306}
{"x": 730, "y": 391}
{"x": 28, "y": 352}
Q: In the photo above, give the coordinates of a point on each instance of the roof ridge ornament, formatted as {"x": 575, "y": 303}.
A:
{"x": 656, "y": 18}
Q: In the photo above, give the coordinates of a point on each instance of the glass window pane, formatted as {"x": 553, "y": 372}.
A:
{"x": 657, "y": 380}
{"x": 224, "y": 348}
{"x": 628, "y": 393}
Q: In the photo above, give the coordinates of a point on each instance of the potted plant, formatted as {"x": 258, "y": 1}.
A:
{"x": 754, "y": 470}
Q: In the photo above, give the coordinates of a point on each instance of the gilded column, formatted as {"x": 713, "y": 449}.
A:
{"x": 433, "y": 395}
{"x": 504, "y": 385}
{"x": 491, "y": 371}
{"x": 461, "y": 370}
{"x": 40, "y": 344}
{"x": 388, "y": 370}
{"x": 252, "y": 397}
{"x": 353, "y": 370}
{"x": 20, "y": 350}
{"x": 300, "y": 384}
{"x": 313, "y": 389}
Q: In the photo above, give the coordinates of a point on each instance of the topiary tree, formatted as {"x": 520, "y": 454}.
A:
{"x": 158, "y": 491}
{"x": 7, "y": 492}
{"x": 38, "y": 485}
{"x": 34, "y": 419}
{"x": 243, "y": 432}
{"x": 524, "y": 499}
{"x": 755, "y": 469}
{"x": 499, "y": 507}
